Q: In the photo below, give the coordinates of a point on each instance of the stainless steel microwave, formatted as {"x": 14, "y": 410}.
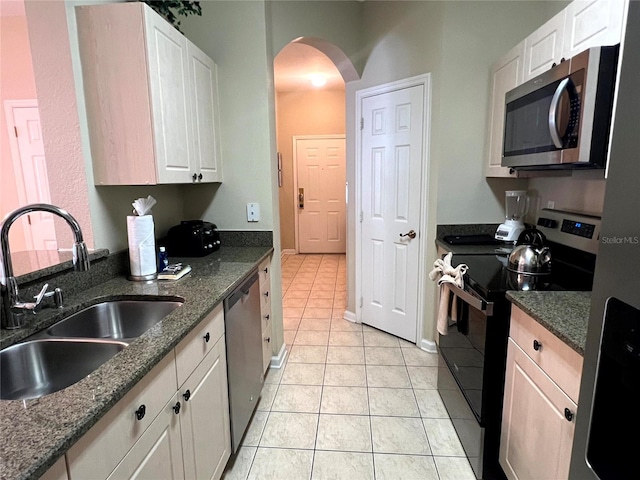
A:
{"x": 562, "y": 118}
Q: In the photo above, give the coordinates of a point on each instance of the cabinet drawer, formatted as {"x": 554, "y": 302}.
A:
{"x": 193, "y": 348}
{"x": 98, "y": 452}
{"x": 265, "y": 313}
{"x": 264, "y": 270}
{"x": 266, "y": 349}
{"x": 265, "y": 294}
{"x": 558, "y": 360}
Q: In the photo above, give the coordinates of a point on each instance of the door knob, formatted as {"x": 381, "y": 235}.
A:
{"x": 301, "y": 198}
{"x": 410, "y": 234}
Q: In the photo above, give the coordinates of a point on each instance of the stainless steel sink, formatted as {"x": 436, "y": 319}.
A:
{"x": 40, "y": 367}
{"x": 120, "y": 319}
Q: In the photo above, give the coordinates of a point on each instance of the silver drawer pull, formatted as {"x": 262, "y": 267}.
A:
{"x": 477, "y": 303}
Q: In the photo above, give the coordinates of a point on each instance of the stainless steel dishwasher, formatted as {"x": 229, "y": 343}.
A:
{"x": 244, "y": 354}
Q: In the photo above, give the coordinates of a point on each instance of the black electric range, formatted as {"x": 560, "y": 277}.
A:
{"x": 472, "y": 356}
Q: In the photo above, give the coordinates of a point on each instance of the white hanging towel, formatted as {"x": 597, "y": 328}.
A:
{"x": 446, "y": 274}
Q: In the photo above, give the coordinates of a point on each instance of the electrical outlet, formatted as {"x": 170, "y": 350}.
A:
{"x": 253, "y": 212}
{"x": 551, "y": 204}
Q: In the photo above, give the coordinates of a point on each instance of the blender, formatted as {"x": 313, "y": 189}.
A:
{"x": 516, "y": 207}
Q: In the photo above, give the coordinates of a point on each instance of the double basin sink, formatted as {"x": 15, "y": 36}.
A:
{"x": 72, "y": 348}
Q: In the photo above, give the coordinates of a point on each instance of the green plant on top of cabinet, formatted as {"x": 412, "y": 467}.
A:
{"x": 151, "y": 97}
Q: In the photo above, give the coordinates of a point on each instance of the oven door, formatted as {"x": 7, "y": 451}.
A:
{"x": 461, "y": 365}
{"x": 463, "y": 348}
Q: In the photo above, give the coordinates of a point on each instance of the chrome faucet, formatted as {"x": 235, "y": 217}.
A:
{"x": 14, "y": 310}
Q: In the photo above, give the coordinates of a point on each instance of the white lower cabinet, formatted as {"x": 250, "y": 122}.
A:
{"x": 158, "y": 452}
{"x": 264, "y": 271}
{"x": 540, "y": 402}
{"x": 204, "y": 417}
{"x": 165, "y": 427}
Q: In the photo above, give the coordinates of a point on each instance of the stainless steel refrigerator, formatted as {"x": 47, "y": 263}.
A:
{"x": 607, "y": 435}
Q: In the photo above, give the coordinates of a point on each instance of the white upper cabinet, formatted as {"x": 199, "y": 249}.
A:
{"x": 543, "y": 47}
{"x": 591, "y": 23}
{"x": 151, "y": 98}
{"x": 171, "y": 93}
{"x": 506, "y": 74}
{"x": 206, "y": 130}
{"x": 582, "y": 25}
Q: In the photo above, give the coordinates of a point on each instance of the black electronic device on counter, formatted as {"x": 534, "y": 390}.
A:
{"x": 192, "y": 238}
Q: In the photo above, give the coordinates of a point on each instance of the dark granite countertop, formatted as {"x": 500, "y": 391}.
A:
{"x": 35, "y": 433}
{"x": 565, "y": 314}
{"x": 470, "y": 229}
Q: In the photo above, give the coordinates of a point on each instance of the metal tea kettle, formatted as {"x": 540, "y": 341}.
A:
{"x": 530, "y": 256}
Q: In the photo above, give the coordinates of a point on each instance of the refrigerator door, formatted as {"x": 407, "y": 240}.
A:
{"x": 617, "y": 274}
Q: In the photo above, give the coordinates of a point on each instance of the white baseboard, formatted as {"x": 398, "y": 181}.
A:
{"x": 428, "y": 346}
{"x": 350, "y": 316}
{"x": 277, "y": 361}
{"x": 287, "y": 251}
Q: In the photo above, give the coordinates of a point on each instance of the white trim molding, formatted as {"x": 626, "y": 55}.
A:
{"x": 287, "y": 251}
{"x": 277, "y": 361}
{"x": 427, "y": 346}
{"x": 350, "y": 316}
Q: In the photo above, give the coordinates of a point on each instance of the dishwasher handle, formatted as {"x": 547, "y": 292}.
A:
{"x": 240, "y": 291}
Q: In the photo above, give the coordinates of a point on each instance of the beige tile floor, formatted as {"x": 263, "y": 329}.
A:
{"x": 351, "y": 402}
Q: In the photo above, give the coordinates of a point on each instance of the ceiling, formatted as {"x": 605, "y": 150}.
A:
{"x": 295, "y": 65}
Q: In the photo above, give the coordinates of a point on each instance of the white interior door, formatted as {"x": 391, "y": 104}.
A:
{"x": 392, "y": 151}
{"x": 320, "y": 194}
{"x": 31, "y": 176}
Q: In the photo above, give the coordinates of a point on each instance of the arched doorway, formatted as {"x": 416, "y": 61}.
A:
{"x": 310, "y": 117}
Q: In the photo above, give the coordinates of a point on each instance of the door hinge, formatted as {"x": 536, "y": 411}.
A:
{"x": 15, "y": 130}
{"x": 361, "y": 216}
{"x": 362, "y": 123}
{"x": 361, "y": 302}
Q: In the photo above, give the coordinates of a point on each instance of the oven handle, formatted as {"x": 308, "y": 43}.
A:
{"x": 475, "y": 302}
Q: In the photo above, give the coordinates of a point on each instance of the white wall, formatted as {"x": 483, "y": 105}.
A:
{"x": 456, "y": 42}
{"x": 233, "y": 34}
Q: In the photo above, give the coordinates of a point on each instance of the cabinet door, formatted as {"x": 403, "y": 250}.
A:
{"x": 206, "y": 437}
{"x": 506, "y": 74}
{"x": 170, "y": 99}
{"x": 593, "y": 23}
{"x": 99, "y": 450}
{"x": 206, "y": 130}
{"x": 536, "y": 436}
{"x": 544, "y": 47}
{"x": 158, "y": 453}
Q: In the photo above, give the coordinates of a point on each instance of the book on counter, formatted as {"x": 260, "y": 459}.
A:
{"x": 174, "y": 272}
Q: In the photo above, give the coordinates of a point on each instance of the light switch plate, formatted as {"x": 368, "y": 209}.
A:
{"x": 253, "y": 212}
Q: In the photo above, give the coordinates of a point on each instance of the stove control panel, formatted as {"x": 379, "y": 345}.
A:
{"x": 574, "y": 229}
